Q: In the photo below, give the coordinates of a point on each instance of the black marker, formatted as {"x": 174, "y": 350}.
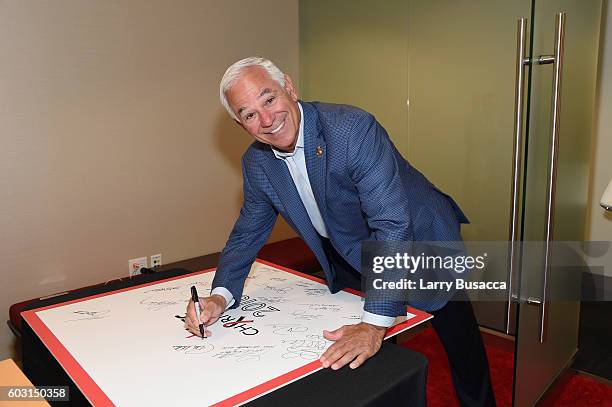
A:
{"x": 196, "y": 302}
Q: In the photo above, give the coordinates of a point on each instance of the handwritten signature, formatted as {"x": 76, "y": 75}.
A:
{"x": 90, "y": 315}
{"x": 315, "y": 292}
{"x": 194, "y": 349}
{"x": 306, "y": 316}
{"x": 307, "y": 349}
{"x": 243, "y": 353}
{"x": 286, "y": 329}
{"x": 278, "y": 290}
{"x": 154, "y": 304}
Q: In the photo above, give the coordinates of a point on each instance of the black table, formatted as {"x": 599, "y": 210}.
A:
{"x": 393, "y": 377}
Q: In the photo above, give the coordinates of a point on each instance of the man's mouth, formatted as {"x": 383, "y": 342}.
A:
{"x": 277, "y": 129}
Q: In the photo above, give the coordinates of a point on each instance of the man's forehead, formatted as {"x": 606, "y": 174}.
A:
{"x": 241, "y": 95}
{"x": 252, "y": 84}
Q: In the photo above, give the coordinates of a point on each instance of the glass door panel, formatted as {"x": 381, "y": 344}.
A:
{"x": 547, "y": 332}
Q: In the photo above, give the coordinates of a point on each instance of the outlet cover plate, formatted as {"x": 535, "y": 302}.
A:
{"x": 156, "y": 260}
{"x": 136, "y": 264}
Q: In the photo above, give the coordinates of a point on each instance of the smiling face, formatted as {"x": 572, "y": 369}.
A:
{"x": 266, "y": 110}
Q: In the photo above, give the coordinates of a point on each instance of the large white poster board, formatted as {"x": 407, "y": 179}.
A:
{"x": 129, "y": 347}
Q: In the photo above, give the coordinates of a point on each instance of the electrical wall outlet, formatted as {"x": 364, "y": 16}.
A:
{"x": 136, "y": 264}
{"x": 156, "y": 260}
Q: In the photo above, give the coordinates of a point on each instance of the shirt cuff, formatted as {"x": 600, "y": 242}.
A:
{"x": 378, "y": 320}
{"x": 223, "y": 292}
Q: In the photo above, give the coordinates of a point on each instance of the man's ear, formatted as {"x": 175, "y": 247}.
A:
{"x": 290, "y": 89}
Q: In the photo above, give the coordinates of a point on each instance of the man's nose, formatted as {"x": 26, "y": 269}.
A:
{"x": 266, "y": 118}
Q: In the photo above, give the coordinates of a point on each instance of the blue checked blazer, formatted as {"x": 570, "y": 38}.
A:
{"x": 364, "y": 188}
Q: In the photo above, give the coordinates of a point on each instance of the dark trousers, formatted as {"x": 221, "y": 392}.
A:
{"x": 457, "y": 329}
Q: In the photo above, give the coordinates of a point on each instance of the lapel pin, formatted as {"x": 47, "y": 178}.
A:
{"x": 319, "y": 151}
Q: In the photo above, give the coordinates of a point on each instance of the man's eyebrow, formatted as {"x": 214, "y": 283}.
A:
{"x": 265, "y": 92}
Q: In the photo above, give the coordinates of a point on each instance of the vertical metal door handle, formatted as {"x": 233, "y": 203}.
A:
{"x": 519, "y": 91}
{"x": 552, "y": 171}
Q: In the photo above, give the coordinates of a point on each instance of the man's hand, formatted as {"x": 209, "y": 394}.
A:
{"x": 354, "y": 345}
{"x": 212, "y": 307}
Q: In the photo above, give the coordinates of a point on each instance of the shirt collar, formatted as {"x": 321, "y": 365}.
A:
{"x": 300, "y": 141}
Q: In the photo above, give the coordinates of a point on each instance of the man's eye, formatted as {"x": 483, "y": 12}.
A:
{"x": 249, "y": 116}
{"x": 270, "y": 100}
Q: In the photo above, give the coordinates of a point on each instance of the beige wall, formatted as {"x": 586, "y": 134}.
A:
{"x": 113, "y": 144}
{"x": 600, "y": 221}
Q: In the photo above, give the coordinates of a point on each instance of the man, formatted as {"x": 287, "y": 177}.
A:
{"x": 333, "y": 173}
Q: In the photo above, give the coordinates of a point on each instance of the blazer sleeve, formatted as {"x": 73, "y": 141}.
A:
{"x": 250, "y": 232}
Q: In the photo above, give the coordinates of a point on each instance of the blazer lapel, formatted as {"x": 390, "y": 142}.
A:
{"x": 315, "y": 151}
{"x": 280, "y": 178}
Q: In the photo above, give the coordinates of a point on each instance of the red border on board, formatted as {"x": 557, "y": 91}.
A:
{"x": 90, "y": 389}
{"x": 97, "y": 396}
{"x": 77, "y": 373}
{"x": 311, "y": 367}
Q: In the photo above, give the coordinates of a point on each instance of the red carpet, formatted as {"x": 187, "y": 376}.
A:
{"x": 581, "y": 391}
{"x": 577, "y": 391}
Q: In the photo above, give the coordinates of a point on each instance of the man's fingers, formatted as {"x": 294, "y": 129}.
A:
{"x": 204, "y": 317}
{"x": 333, "y": 353}
{"x": 190, "y": 316}
{"x": 207, "y": 314}
{"x": 210, "y": 313}
{"x": 359, "y": 361}
{"x": 190, "y": 309}
{"x": 330, "y": 355}
{"x": 333, "y": 335}
{"x": 346, "y": 358}
{"x": 191, "y": 328}
{"x": 194, "y": 328}
{"x": 192, "y": 322}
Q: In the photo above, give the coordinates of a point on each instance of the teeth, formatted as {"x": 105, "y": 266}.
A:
{"x": 280, "y": 126}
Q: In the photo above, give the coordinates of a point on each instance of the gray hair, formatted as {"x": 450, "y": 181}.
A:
{"x": 233, "y": 72}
